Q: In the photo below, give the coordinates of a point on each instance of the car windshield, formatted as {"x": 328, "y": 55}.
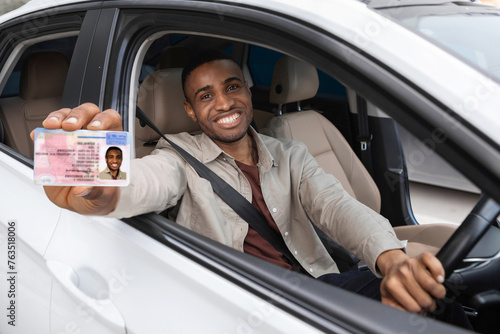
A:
{"x": 473, "y": 32}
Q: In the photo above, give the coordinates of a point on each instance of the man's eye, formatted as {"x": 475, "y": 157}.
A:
{"x": 205, "y": 96}
{"x": 232, "y": 87}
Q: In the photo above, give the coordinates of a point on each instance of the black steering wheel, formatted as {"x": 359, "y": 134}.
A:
{"x": 468, "y": 234}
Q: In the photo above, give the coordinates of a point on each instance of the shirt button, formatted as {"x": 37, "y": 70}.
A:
{"x": 311, "y": 269}
{"x": 296, "y": 252}
{"x": 286, "y": 233}
{"x": 275, "y": 210}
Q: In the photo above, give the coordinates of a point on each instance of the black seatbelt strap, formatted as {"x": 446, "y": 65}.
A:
{"x": 364, "y": 135}
{"x": 229, "y": 195}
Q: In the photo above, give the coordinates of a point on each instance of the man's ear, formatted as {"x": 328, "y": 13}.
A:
{"x": 248, "y": 88}
{"x": 190, "y": 111}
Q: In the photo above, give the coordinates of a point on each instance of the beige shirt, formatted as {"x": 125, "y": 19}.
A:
{"x": 106, "y": 175}
{"x": 294, "y": 188}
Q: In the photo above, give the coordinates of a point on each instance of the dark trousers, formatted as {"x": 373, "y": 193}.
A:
{"x": 366, "y": 284}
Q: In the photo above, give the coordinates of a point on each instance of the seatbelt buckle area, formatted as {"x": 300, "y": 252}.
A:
{"x": 363, "y": 141}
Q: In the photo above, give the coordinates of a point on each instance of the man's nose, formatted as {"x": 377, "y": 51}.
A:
{"x": 223, "y": 102}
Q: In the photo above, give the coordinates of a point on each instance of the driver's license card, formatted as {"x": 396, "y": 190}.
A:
{"x": 83, "y": 157}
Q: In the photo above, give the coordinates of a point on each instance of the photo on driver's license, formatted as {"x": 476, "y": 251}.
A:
{"x": 83, "y": 158}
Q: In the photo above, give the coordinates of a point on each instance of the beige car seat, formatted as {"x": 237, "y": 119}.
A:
{"x": 295, "y": 81}
{"x": 41, "y": 88}
{"x": 162, "y": 100}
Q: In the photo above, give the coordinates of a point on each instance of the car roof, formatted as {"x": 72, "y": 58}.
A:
{"x": 34, "y": 6}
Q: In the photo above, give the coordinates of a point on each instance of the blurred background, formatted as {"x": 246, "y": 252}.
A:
{"x": 8, "y": 5}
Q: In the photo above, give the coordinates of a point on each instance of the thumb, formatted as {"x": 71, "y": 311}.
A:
{"x": 81, "y": 191}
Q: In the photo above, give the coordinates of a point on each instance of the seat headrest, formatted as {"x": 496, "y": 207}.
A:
{"x": 162, "y": 100}
{"x": 293, "y": 80}
{"x": 43, "y": 75}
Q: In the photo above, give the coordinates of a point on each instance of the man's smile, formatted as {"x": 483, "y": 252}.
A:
{"x": 229, "y": 119}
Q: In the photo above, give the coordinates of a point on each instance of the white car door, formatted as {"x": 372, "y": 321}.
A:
{"x": 110, "y": 276}
{"x": 27, "y": 221}
{"x": 27, "y": 218}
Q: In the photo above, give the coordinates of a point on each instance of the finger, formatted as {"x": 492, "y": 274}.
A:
{"x": 81, "y": 191}
{"x": 79, "y": 117}
{"x": 410, "y": 286}
{"x": 55, "y": 118}
{"x": 434, "y": 265}
{"x": 87, "y": 193}
{"x": 108, "y": 120}
{"x": 428, "y": 273}
{"x": 94, "y": 200}
{"x": 396, "y": 289}
{"x": 422, "y": 298}
{"x": 421, "y": 285}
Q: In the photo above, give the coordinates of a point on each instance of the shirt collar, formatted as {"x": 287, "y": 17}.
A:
{"x": 210, "y": 151}
{"x": 266, "y": 160}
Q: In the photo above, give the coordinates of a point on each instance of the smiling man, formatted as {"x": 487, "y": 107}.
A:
{"x": 278, "y": 176}
{"x": 113, "y": 157}
{"x": 225, "y": 118}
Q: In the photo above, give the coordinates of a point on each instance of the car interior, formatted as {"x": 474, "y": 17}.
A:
{"x": 35, "y": 88}
{"x": 294, "y": 81}
{"x": 39, "y": 92}
{"x": 292, "y": 99}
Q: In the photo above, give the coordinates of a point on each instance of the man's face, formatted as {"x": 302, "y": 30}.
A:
{"x": 114, "y": 160}
{"x": 219, "y": 100}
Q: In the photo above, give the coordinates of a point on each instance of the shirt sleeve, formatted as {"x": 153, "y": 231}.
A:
{"x": 352, "y": 224}
{"x": 157, "y": 182}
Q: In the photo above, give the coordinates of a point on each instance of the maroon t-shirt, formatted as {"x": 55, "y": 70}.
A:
{"x": 254, "y": 244}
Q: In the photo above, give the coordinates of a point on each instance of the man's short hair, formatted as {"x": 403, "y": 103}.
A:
{"x": 201, "y": 58}
{"x": 113, "y": 148}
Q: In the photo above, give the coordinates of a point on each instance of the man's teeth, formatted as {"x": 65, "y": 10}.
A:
{"x": 229, "y": 119}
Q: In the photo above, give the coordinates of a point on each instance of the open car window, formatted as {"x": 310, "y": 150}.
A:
{"x": 32, "y": 79}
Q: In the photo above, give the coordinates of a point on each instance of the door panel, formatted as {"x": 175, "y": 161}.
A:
{"x": 27, "y": 204}
{"x": 27, "y": 218}
{"x": 31, "y": 296}
{"x": 152, "y": 287}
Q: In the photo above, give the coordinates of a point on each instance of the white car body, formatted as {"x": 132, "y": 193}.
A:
{"x": 100, "y": 275}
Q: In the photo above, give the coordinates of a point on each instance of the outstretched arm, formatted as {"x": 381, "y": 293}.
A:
{"x": 84, "y": 200}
